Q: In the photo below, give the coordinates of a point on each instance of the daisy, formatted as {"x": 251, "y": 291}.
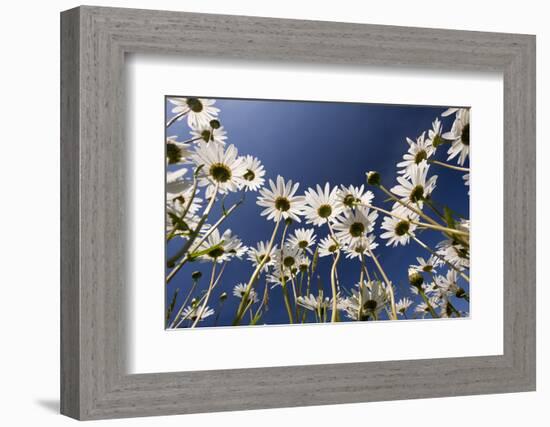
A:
{"x": 175, "y": 218}
{"x": 327, "y": 246}
{"x": 321, "y": 205}
{"x": 221, "y": 167}
{"x": 199, "y": 111}
{"x": 303, "y": 238}
{"x": 177, "y": 183}
{"x": 449, "y": 111}
{"x": 360, "y": 246}
{"x": 366, "y": 301}
{"x": 176, "y": 152}
{"x": 192, "y": 312}
{"x": 403, "y": 305}
{"x": 303, "y": 263}
{"x": 424, "y": 309}
{"x": 459, "y": 135}
{"x": 427, "y": 266}
{"x": 447, "y": 285}
{"x": 280, "y": 275}
{"x": 257, "y": 255}
{"x": 434, "y": 134}
{"x": 280, "y": 200}
{"x": 419, "y": 150}
{"x": 350, "y": 197}
{"x": 221, "y": 248}
{"x": 206, "y": 133}
{"x": 454, "y": 253}
{"x": 417, "y": 186}
{"x": 288, "y": 258}
{"x": 240, "y": 289}
{"x": 398, "y": 231}
{"x": 314, "y": 303}
{"x": 354, "y": 224}
{"x": 253, "y": 178}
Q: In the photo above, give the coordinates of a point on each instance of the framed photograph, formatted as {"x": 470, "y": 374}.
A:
{"x": 262, "y": 213}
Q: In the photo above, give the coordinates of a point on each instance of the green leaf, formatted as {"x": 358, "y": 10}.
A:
{"x": 172, "y": 305}
{"x": 448, "y": 215}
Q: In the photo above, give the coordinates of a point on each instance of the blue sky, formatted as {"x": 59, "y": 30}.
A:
{"x": 313, "y": 143}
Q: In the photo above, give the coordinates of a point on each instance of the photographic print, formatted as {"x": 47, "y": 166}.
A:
{"x": 284, "y": 212}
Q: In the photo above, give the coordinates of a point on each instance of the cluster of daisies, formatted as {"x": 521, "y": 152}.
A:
{"x": 327, "y": 221}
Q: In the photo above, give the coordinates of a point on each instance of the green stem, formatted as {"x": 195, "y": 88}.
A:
{"x": 207, "y": 296}
{"x": 195, "y": 282}
{"x": 427, "y": 301}
{"x": 448, "y": 166}
{"x": 192, "y": 237}
{"x": 388, "y": 283}
{"x": 418, "y": 223}
{"x": 287, "y": 302}
{"x": 176, "y": 117}
{"x": 408, "y": 206}
{"x": 240, "y": 310}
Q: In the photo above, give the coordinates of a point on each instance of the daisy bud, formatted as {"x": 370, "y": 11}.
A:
{"x": 437, "y": 141}
{"x": 215, "y": 124}
{"x": 196, "y": 275}
{"x": 460, "y": 293}
{"x": 288, "y": 221}
{"x": 415, "y": 278}
{"x": 373, "y": 178}
{"x": 223, "y": 296}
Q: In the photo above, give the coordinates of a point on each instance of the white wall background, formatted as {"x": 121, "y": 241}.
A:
{"x": 29, "y": 211}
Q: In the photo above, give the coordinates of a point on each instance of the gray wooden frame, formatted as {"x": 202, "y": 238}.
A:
{"x": 94, "y": 41}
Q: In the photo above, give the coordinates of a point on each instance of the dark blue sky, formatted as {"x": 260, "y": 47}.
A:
{"x": 314, "y": 143}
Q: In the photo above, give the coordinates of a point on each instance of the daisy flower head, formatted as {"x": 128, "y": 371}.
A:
{"x": 459, "y": 135}
{"x": 206, "y": 134}
{"x": 181, "y": 213}
{"x": 199, "y": 111}
{"x": 280, "y": 200}
{"x": 447, "y": 285}
{"x": 419, "y": 150}
{"x": 220, "y": 248}
{"x": 423, "y": 308}
{"x": 352, "y": 196}
{"x": 314, "y": 303}
{"x": 177, "y": 183}
{"x": 303, "y": 238}
{"x": 327, "y": 246}
{"x": 321, "y": 204}
{"x": 192, "y": 312}
{"x": 362, "y": 246}
{"x": 417, "y": 186}
{"x": 288, "y": 258}
{"x": 434, "y": 134}
{"x": 427, "y": 266}
{"x": 454, "y": 253}
{"x": 403, "y": 305}
{"x": 240, "y": 289}
{"x": 366, "y": 301}
{"x": 398, "y": 231}
{"x": 354, "y": 224}
{"x": 221, "y": 168}
{"x": 260, "y": 252}
{"x": 303, "y": 263}
{"x": 253, "y": 178}
{"x": 280, "y": 275}
{"x": 176, "y": 152}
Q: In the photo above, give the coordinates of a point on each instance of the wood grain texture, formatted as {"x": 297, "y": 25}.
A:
{"x": 94, "y": 382}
